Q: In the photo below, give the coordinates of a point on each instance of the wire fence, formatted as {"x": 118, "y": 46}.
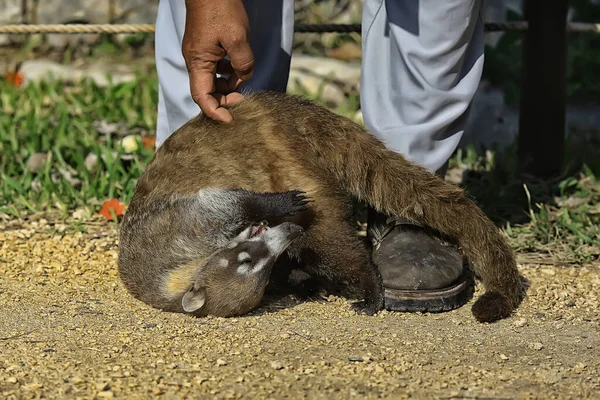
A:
{"x": 299, "y": 28}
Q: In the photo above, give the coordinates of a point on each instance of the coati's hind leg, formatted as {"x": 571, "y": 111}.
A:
{"x": 334, "y": 251}
{"x": 289, "y": 277}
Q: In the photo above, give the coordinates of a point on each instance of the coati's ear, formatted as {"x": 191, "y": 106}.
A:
{"x": 193, "y": 299}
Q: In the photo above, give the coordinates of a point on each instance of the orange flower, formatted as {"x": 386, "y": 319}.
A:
{"x": 115, "y": 205}
{"x": 149, "y": 142}
{"x": 15, "y": 78}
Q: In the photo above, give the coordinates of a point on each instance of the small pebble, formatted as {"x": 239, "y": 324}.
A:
{"x": 537, "y": 346}
{"x": 579, "y": 368}
{"x": 520, "y": 323}
{"x": 32, "y": 386}
{"x": 78, "y": 214}
{"x": 221, "y": 362}
{"x": 549, "y": 271}
{"x": 276, "y": 365}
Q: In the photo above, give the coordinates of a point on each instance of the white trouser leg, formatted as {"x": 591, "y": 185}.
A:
{"x": 422, "y": 63}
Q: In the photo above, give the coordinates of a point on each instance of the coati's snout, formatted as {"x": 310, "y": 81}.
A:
{"x": 233, "y": 280}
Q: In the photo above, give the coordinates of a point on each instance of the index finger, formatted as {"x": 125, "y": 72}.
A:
{"x": 202, "y": 88}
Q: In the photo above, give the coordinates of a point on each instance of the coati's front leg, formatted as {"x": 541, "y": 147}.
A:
{"x": 265, "y": 206}
{"x": 226, "y": 212}
{"x": 333, "y": 250}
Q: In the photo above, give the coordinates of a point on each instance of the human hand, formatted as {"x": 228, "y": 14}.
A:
{"x": 213, "y": 30}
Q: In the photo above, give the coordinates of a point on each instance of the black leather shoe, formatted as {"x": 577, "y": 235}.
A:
{"x": 420, "y": 272}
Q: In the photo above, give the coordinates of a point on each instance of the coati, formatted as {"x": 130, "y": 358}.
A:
{"x": 192, "y": 239}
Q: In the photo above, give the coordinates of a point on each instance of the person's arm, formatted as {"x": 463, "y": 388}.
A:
{"x": 214, "y": 29}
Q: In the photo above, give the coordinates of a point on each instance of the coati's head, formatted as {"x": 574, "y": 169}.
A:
{"x": 233, "y": 280}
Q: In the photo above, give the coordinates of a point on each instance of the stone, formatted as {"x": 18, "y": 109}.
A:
{"x": 11, "y": 14}
{"x": 92, "y": 12}
{"x": 313, "y": 86}
{"x": 61, "y": 11}
{"x": 221, "y": 362}
{"x": 330, "y": 78}
{"x": 536, "y": 346}
{"x": 347, "y": 72}
{"x": 277, "y": 365}
{"x": 136, "y": 11}
{"x": 75, "y": 11}
{"x": 41, "y": 69}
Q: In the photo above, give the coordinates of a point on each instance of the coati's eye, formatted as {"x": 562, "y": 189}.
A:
{"x": 244, "y": 258}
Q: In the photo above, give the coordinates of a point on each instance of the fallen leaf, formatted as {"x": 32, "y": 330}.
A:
{"x": 115, "y": 205}
{"x": 15, "y": 78}
{"x": 149, "y": 142}
{"x": 36, "y": 162}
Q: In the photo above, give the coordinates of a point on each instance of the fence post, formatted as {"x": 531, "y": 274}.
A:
{"x": 542, "y": 115}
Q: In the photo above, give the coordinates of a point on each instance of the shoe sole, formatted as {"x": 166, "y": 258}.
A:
{"x": 433, "y": 301}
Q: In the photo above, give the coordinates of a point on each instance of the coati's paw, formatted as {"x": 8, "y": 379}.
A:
{"x": 299, "y": 201}
{"x": 290, "y": 203}
{"x": 363, "y": 307}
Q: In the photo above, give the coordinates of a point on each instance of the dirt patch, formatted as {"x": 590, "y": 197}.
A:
{"x": 69, "y": 329}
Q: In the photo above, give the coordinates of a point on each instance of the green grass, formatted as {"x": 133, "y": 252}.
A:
{"x": 70, "y": 123}
{"x": 559, "y": 220}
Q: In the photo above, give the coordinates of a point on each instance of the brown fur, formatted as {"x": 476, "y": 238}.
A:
{"x": 278, "y": 142}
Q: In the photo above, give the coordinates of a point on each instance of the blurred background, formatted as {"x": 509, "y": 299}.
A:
{"x": 121, "y": 54}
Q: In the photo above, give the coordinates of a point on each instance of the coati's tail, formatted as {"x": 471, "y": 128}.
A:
{"x": 391, "y": 184}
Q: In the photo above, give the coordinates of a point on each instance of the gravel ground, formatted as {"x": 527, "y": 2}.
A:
{"x": 68, "y": 329}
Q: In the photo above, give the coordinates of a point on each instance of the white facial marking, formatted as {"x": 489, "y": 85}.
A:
{"x": 260, "y": 265}
{"x": 251, "y": 270}
{"x": 243, "y": 256}
{"x": 243, "y": 269}
{"x": 232, "y": 245}
{"x": 223, "y": 262}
